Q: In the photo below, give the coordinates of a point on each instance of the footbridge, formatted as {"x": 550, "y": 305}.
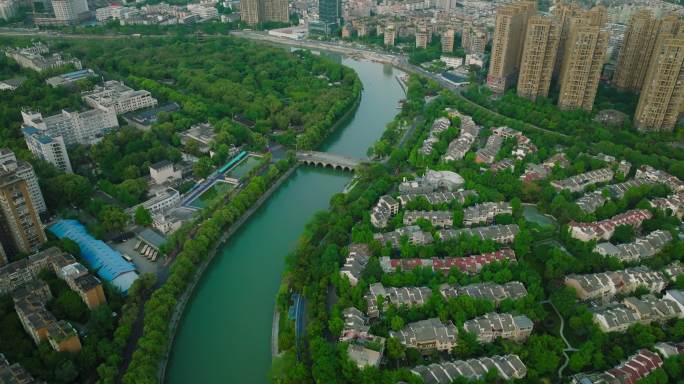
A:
{"x": 324, "y": 159}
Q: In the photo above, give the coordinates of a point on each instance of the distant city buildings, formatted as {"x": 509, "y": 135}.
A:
{"x": 114, "y": 12}
{"x": 474, "y": 38}
{"x": 260, "y": 11}
{"x": 34, "y": 57}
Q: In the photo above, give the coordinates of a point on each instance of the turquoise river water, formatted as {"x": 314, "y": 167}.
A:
{"x": 225, "y": 333}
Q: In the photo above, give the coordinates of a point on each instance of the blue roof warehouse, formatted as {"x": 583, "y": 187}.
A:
{"x": 110, "y": 265}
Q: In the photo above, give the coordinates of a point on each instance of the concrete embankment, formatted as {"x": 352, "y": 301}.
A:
{"x": 183, "y": 300}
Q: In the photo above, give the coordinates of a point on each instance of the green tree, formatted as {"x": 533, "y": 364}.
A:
{"x": 67, "y": 189}
{"x": 395, "y": 349}
{"x": 113, "y": 219}
{"x": 623, "y": 234}
{"x": 143, "y": 217}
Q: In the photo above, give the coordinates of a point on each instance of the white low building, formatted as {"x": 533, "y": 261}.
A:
{"x": 452, "y": 62}
{"x": 160, "y": 203}
{"x": 164, "y": 171}
{"x": 119, "y": 97}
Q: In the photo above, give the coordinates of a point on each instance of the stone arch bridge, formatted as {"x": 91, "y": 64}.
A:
{"x": 324, "y": 159}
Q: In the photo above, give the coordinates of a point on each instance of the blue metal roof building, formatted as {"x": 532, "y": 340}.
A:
{"x": 110, "y": 265}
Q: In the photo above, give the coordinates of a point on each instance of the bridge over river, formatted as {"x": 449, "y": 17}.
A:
{"x": 325, "y": 159}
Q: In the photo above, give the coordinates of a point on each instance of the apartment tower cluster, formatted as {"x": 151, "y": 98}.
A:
{"x": 651, "y": 63}
{"x": 260, "y": 11}
{"x": 530, "y": 49}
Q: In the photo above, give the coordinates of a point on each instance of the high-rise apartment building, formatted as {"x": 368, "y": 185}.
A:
{"x": 389, "y": 35}
{"x": 8, "y": 9}
{"x": 24, "y": 170}
{"x": 251, "y": 11}
{"x": 20, "y": 228}
{"x": 662, "y": 94}
{"x": 507, "y": 44}
{"x": 48, "y": 148}
{"x": 473, "y": 38}
{"x": 330, "y": 11}
{"x": 276, "y": 10}
{"x": 538, "y": 57}
{"x": 448, "y": 40}
{"x": 564, "y": 13}
{"x": 260, "y": 11}
{"x": 637, "y": 47}
{"x": 597, "y": 16}
{"x": 69, "y": 11}
{"x": 585, "y": 49}
{"x": 422, "y": 37}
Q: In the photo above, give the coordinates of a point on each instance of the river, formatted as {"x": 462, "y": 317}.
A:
{"x": 225, "y": 334}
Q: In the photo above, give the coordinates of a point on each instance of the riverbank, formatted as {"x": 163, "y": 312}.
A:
{"x": 183, "y": 300}
{"x": 226, "y": 332}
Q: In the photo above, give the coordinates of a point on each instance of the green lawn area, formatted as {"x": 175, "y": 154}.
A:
{"x": 216, "y": 191}
{"x": 244, "y": 167}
